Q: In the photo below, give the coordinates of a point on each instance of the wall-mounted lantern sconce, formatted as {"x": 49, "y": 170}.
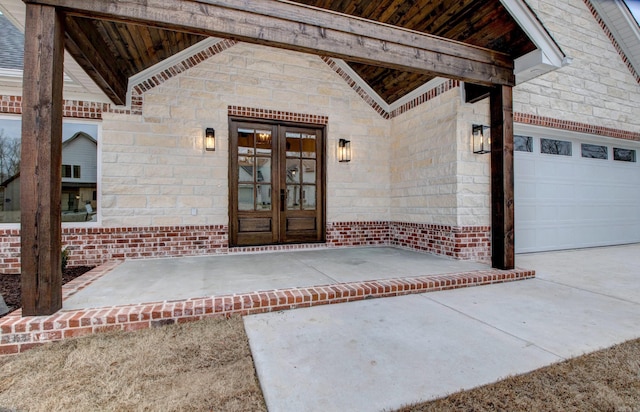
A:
{"x": 481, "y": 139}
{"x": 344, "y": 150}
{"x": 210, "y": 139}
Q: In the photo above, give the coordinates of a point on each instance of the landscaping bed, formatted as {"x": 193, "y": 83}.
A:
{"x": 11, "y": 291}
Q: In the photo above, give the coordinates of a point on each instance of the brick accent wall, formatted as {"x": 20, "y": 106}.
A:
{"x": 343, "y": 234}
{"x": 96, "y": 246}
{"x": 466, "y": 242}
{"x": 9, "y": 251}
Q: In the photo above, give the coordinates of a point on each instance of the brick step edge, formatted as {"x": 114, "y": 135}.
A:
{"x": 18, "y": 333}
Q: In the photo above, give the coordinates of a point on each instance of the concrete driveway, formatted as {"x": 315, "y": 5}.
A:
{"x": 381, "y": 354}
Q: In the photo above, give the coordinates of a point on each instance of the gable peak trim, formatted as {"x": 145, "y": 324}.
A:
{"x": 173, "y": 66}
{"x": 616, "y": 45}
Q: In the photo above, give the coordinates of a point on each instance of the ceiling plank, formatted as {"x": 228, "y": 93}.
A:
{"x": 90, "y": 51}
{"x": 305, "y": 29}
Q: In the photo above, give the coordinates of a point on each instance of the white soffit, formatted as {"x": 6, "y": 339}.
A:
{"x": 623, "y": 27}
{"x": 547, "y": 56}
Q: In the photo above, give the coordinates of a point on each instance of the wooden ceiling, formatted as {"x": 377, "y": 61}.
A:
{"x": 484, "y": 23}
{"x": 130, "y": 48}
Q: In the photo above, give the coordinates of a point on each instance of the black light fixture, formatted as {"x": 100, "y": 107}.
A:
{"x": 481, "y": 139}
{"x": 344, "y": 150}
{"x": 210, "y": 139}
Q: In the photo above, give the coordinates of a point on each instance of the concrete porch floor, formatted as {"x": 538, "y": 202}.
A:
{"x": 140, "y": 294}
{"x": 154, "y": 280}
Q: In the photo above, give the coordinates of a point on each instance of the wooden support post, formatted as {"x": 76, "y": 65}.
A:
{"x": 502, "y": 216}
{"x": 40, "y": 167}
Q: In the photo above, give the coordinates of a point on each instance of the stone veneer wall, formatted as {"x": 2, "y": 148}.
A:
{"x": 423, "y": 162}
{"x": 597, "y": 88}
{"x": 156, "y": 173}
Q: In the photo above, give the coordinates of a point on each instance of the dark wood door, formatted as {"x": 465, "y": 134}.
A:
{"x": 276, "y": 190}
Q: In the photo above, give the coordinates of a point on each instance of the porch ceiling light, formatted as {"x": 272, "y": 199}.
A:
{"x": 344, "y": 150}
{"x": 210, "y": 139}
{"x": 481, "y": 139}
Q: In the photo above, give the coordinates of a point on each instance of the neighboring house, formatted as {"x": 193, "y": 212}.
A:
{"x": 79, "y": 181}
{"x": 79, "y": 172}
{"x": 10, "y": 190}
{"x": 274, "y": 180}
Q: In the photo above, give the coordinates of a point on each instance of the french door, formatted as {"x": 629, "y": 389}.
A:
{"x": 276, "y": 188}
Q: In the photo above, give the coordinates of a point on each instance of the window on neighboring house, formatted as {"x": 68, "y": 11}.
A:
{"x": 594, "y": 151}
{"x": 522, "y": 143}
{"x": 555, "y": 147}
{"x": 66, "y": 171}
{"x": 624, "y": 155}
{"x": 79, "y": 169}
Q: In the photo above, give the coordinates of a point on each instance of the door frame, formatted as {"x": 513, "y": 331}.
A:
{"x": 321, "y": 164}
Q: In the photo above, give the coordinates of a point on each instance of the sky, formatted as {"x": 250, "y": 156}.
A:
{"x": 634, "y": 6}
{"x": 13, "y": 128}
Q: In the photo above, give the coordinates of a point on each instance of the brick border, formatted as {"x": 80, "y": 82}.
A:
{"x": 613, "y": 40}
{"x": 424, "y": 97}
{"x": 431, "y": 94}
{"x": 93, "y": 246}
{"x": 268, "y": 114}
{"x": 354, "y": 85}
{"x": 18, "y": 333}
{"x": 575, "y": 126}
{"x": 77, "y": 109}
{"x": 162, "y": 76}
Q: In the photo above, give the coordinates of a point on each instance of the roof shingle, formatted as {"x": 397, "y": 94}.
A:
{"x": 11, "y": 45}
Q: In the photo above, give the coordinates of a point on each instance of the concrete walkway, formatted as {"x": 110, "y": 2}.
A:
{"x": 380, "y": 354}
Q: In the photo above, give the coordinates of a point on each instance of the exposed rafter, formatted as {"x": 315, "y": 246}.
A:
{"x": 301, "y": 28}
{"x": 88, "y": 48}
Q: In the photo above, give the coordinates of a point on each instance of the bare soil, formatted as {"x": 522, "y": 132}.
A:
{"x": 11, "y": 291}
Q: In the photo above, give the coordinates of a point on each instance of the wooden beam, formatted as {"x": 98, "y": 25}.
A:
{"x": 301, "y": 28}
{"x": 40, "y": 167}
{"x": 92, "y": 53}
{"x": 502, "y": 215}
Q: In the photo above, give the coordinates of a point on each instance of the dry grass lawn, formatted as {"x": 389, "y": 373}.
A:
{"x": 607, "y": 380}
{"x": 207, "y": 366}
{"x": 199, "y": 366}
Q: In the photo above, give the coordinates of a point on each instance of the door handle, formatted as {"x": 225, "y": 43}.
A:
{"x": 283, "y": 198}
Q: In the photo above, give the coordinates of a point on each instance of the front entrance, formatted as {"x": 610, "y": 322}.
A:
{"x": 276, "y": 188}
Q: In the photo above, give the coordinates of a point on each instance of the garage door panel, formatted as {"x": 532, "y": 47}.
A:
{"x": 566, "y": 202}
{"x": 555, "y": 190}
{"x": 525, "y": 168}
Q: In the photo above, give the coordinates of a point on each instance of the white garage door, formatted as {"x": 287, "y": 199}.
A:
{"x": 575, "y": 191}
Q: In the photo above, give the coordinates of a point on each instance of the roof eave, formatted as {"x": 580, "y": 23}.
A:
{"x": 547, "y": 57}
